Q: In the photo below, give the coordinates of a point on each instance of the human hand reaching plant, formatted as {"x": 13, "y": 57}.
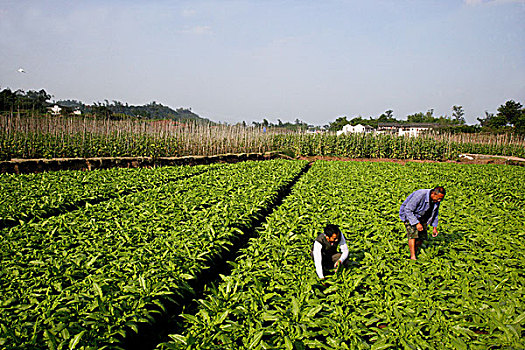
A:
{"x": 337, "y": 264}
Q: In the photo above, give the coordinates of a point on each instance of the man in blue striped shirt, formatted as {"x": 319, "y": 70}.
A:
{"x": 420, "y": 209}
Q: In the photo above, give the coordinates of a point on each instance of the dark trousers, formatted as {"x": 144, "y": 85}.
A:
{"x": 328, "y": 261}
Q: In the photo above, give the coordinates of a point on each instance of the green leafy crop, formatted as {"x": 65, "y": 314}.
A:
{"x": 465, "y": 291}
{"x": 35, "y": 196}
{"x": 85, "y": 278}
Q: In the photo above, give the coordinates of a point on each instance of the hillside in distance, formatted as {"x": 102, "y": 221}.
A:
{"x": 121, "y": 110}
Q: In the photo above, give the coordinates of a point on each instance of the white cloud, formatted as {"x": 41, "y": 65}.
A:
{"x": 197, "y": 30}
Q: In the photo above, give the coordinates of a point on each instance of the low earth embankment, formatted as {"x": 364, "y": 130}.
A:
{"x": 24, "y": 166}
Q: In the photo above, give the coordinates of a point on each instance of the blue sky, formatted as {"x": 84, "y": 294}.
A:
{"x": 247, "y": 60}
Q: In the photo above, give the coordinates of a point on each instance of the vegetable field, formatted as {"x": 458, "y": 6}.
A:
{"x": 81, "y": 279}
{"x": 465, "y": 292}
{"x": 25, "y": 197}
{"x": 88, "y": 257}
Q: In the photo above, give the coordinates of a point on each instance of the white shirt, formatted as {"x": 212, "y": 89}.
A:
{"x": 318, "y": 257}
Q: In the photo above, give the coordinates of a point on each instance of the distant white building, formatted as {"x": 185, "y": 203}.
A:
{"x": 77, "y": 112}
{"x": 55, "y": 110}
{"x": 413, "y": 129}
{"x": 355, "y": 129}
{"x": 314, "y": 131}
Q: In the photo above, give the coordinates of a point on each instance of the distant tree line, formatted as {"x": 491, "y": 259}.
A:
{"x": 297, "y": 125}
{"x": 32, "y": 101}
{"x": 38, "y": 102}
{"x": 509, "y": 118}
{"x": 388, "y": 117}
{"x": 117, "y": 110}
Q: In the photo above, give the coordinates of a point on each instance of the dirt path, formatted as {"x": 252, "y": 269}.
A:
{"x": 464, "y": 159}
{"x": 485, "y": 158}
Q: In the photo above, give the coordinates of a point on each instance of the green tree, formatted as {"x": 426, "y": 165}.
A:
{"x": 512, "y": 113}
{"x": 32, "y": 101}
{"x": 102, "y": 111}
{"x": 420, "y": 117}
{"x": 387, "y": 117}
{"x": 338, "y": 124}
{"x": 491, "y": 121}
{"x": 360, "y": 120}
{"x": 416, "y": 118}
{"x": 457, "y": 114}
{"x": 7, "y": 100}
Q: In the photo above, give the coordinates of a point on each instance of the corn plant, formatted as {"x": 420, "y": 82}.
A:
{"x": 51, "y": 137}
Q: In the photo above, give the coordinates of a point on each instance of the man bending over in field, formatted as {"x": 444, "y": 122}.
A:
{"x": 420, "y": 209}
{"x": 324, "y": 250}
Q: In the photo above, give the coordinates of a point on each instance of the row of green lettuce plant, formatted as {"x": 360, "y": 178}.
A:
{"x": 464, "y": 292}
{"x": 34, "y": 196}
{"x": 84, "y": 279}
